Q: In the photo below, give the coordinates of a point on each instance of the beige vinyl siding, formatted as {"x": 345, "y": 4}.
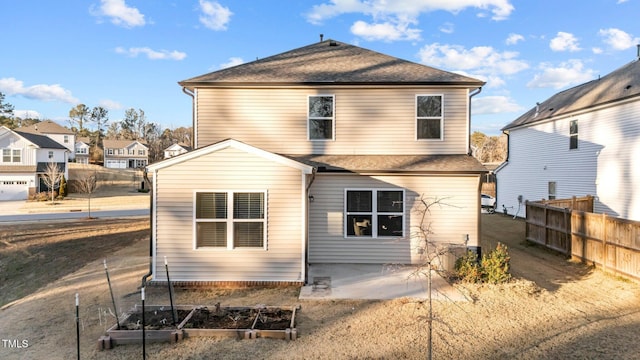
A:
{"x": 327, "y": 243}
{"x": 368, "y": 120}
{"x": 233, "y": 170}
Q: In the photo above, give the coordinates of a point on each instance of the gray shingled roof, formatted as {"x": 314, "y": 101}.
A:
{"x": 45, "y": 127}
{"x": 621, "y": 84}
{"x": 120, "y": 144}
{"x": 392, "y": 163}
{"x": 330, "y": 62}
{"x": 41, "y": 141}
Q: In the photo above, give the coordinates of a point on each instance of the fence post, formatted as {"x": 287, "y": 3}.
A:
{"x": 567, "y": 232}
{"x": 604, "y": 242}
{"x": 546, "y": 225}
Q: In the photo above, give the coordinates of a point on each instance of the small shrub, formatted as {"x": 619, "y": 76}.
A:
{"x": 493, "y": 268}
{"x": 63, "y": 188}
{"x": 495, "y": 265}
{"x": 468, "y": 269}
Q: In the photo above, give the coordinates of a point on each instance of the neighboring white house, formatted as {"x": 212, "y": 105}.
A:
{"x": 82, "y": 150}
{"x": 24, "y": 159}
{"x": 321, "y": 154}
{"x": 125, "y": 154}
{"x": 62, "y": 135}
{"x": 176, "y": 149}
{"x": 581, "y": 141}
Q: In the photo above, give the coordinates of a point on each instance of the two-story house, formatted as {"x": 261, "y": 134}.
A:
{"x": 24, "y": 161}
{"x": 581, "y": 141}
{"x": 125, "y": 154}
{"x": 83, "y": 150}
{"x": 56, "y": 132}
{"x": 176, "y": 149}
{"x": 324, "y": 154}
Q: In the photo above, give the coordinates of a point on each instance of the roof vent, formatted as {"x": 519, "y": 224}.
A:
{"x": 627, "y": 87}
{"x": 333, "y": 43}
{"x": 321, "y": 37}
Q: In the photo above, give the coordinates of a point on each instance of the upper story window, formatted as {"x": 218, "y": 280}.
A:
{"x": 429, "y": 117}
{"x": 11, "y": 155}
{"x": 66, "y": 139}
{"x": 141, "y": 152}
{"x": 109, "y": 151}
{"x": 120, "y": 151}
{"x": 132, "y": 152}
{"x": 50, "y": 154}
{"x": 374, "y": 213}
{"x": 230, "y": 220}
{"x": 81, "y": 150}
{"x": 573, "y": 134}
{"x": 321, "y": 120}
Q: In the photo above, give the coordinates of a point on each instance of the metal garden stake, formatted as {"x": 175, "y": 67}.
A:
{"x": 174, "y": 312}
{"x": 113, "y": 300}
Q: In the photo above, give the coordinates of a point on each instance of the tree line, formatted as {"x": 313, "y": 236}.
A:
{"x": 94, "y": 123}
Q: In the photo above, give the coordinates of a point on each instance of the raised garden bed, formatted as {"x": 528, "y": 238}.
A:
{"x": 242, "y": 322}
{"x": 275, "y": 322}
{"x": 159, "y": 326}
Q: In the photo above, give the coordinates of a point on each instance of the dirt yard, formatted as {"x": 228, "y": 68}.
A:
{"x": 554, "y": 309}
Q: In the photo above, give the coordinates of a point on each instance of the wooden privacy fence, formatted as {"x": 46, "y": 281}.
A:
{"x": 610, "y": 243}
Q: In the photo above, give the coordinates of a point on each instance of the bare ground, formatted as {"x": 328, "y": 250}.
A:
{"x": 554, "y": 308}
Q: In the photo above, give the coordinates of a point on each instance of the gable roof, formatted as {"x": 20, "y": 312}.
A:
{"x": 41, "y": 141}
{"x": 120, "y": 144}
{"x": 83, "y": 139}
{"x": 177, "y": 146}
{"x": 231, "y": 143}
{"x": 619, "y": 85}
{"x": 46, "y": 127}
{"x": 330, "y": 62}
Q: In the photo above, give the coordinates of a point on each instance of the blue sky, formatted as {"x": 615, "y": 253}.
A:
{"x": 123, "y": 54}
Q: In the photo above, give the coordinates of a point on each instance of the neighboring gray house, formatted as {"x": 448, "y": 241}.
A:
{"x": 318, "y": 155}
{"x": 56, "y": 132}
{"x": 176, "y": 149}
{"x": 125, "y": 154}
{"x": 24, "y": 160}
{"x": 581, "y": 141}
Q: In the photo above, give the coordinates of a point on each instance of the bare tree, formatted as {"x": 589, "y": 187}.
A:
{"x": 88, "y": 184}
{"x": 52, "y": 178}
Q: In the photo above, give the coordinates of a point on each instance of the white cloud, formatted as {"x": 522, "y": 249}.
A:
{"x": 564, "y": 42}
{"x": 447, "y": 28}
{"x": 482, "y": 60}
{"x": 618, "y": 39}
{"x": 110, "y": 104}
{"x": 494, "y": 105}
{"x": 568, "y": 73}
{"x": 380, "y": 9}
{"x": 233, "y": 61}
{"x": 386, "y": 31}
{"x": 596, "y": 50}
{"x": 514, "y": 39}
{"x": 120, "y": 13}
{"x": 152, "y": 54}
{"x": 27, "y": 114}
{"x": 214, "y": 16}
{"x": 55, "y": 92}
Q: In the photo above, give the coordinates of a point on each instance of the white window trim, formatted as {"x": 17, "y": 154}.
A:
{"x": 374, "y": 213}
{"x": 11, "y": 155}
{"x": 333, "y": 119}
{"x": 230, "y": 221}
{"x": 415, "y": 112}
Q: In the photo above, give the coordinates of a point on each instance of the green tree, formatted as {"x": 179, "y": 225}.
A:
{"x": 79, "y": 115}
{"x": 100, "y": 117}
{"x": 6, "y": 113}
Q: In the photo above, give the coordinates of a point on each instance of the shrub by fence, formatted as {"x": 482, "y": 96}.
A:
{"x": 611, "y": 243}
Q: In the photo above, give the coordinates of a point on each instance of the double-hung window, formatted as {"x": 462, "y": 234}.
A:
{"x": 374, "y": 213}
{"x": 573, "y": 134}
{"x": 11, "y": 155}
{"x": 321, "y": 120}
{"x": 230, "y": 220}
{"x": 429, "y": 117}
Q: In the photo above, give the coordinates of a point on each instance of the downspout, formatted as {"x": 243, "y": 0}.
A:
{"x": 478, "y": 90}
{"x": 146, "y": 276}
{"x": 306, "y": 248}
{"x": 193, "y": 115}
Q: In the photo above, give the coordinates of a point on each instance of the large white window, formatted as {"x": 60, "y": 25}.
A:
{"x": 429, "y": 117}
{"x": 374, "y": 213}
{"x": 11, "y": 155}
{"x": 321, "y": 119}
{"x": 227, "y": 219}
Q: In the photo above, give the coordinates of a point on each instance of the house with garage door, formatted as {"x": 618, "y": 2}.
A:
{"x": 25, "y": 157}
{"x": 125, "y": 154}
{"x": 319, "y": 155}
{"x": 581, "y": 141}
{"x": 83, "y": 150}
